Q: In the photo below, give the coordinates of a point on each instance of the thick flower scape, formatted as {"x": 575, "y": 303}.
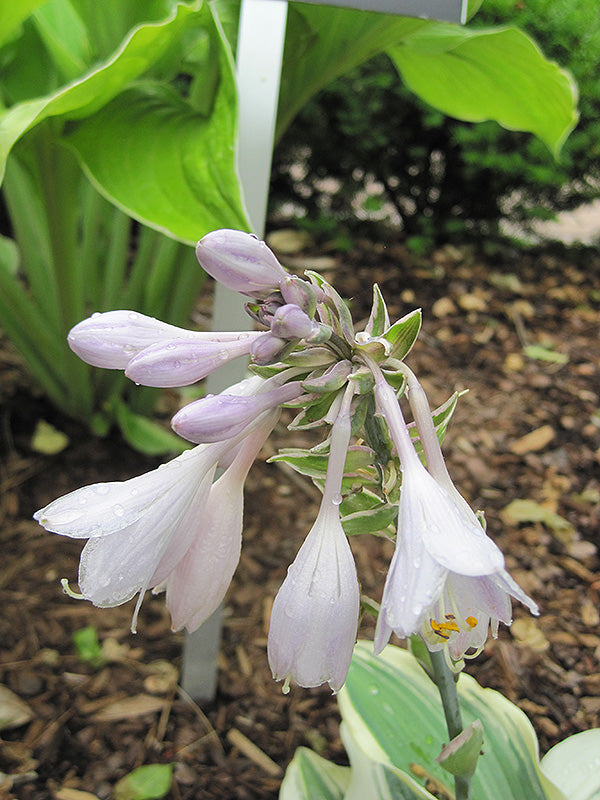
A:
{"x": 178, "y": 528}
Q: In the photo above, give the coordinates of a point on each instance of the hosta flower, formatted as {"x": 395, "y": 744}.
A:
{"x": 138, "y": 530}
{"x": 315, "y": 614}
{"x": 224, "y": 415}
{"x": 197, "y": 585}
{"x": 152, "y": 352}
{"x": 446, "y": 579}
{"x": 240, "y": 261}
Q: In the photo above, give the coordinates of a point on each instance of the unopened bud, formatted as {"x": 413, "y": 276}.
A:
{"x": 290, "y": 322}
{"x": 240, "y": 261}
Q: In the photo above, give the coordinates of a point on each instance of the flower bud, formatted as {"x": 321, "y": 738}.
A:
{"x": 300, "y": 293}
{"x": 181, "y": 362}
{"x": 222, "y": 416}
{"x": 290, "y": 322}
{"x": 240, "y": 261}
{"x": 268, "y": 349}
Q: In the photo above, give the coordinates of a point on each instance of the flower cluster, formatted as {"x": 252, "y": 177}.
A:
{"x": 178, "y": 528}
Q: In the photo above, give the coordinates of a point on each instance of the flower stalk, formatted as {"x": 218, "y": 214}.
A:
{"x": 446, "y": 682}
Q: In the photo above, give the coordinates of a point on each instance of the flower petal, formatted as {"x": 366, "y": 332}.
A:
{"x": 315, "y": 614}
{"x": 103, "y": 508}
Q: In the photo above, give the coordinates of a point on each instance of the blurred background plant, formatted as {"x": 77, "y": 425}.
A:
{"x": 117, "y": 146}
{"x": 367, "y": 147}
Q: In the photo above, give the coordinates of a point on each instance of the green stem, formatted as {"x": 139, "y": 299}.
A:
{"x": 445, "y": 681}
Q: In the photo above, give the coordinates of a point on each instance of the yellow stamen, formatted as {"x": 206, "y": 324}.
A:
{"x": 437, "y": 628}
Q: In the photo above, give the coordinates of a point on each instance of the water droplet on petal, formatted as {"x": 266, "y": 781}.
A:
{"x": 118, "y": 510}
{"x": 336, "y": 499}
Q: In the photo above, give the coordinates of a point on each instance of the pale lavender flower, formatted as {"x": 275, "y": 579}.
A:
{"x": 224, "y": 415}
{"x": 240, "y": 261}
{"x": 197, "y": 585}
{"x": 113, "y": 338}
{"x": 315, "y": 614}
{"x": 137, "y": 530}
{"x": 180, "y": 362}
{"x": 446, "y": 579}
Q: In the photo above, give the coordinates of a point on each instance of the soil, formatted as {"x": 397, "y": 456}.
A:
{"x": 528, "y": 429}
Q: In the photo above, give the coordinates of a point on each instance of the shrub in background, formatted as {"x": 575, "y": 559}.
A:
{"x": 445, "y": 177}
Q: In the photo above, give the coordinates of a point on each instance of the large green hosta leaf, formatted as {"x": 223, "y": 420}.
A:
{"x": 574, "y": 765}
{"x": 163, "y": 156}
{"x": 470, "y": 74}
{"x": 395, "y": 714}
{"x": 497, "y": 74}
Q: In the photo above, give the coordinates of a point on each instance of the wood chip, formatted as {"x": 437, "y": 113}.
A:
{"x": 129, "y": 707}
{"x": 14, "y": 712}
{"x": 526, "y": 633}
{"x": 533, "y": 441}
{"x": 66, "y": 793}
{"x": 254, "y": 753}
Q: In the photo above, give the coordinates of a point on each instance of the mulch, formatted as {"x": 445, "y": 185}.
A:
{"x": 527, "y": 430}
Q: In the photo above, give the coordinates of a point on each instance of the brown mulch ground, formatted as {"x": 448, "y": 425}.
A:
{"x": 528, "y": 429}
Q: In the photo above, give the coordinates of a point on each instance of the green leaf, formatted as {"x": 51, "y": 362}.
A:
{"x": 310, "y": 777}
{"x": 88, "y": 647}
{"x": 373, "y": 520}
{"x": 314, "y": 465}
{"x": 379, "y": 320}
{"x": 542, "y": 353}
{"x": 323, "y": 43}
{"x": 47, "y": 439}
{"x": 13, "y": 14}
{"x": 383, "y": 697}
{"x": 403, "y": 334}
{"x": 81, "y": 98}
{"x": 150, "y": 782}
{"x": 374, "y": 779}
{"x": 529, "y": 511}
{"x": 145, "y": 435}
{"x": 497, "y": 74}
{"x": 157, "y": 157}
{"x": 573, "y": 765}
{"x": 9, "y": 256}
{"x": 65, "y": 37}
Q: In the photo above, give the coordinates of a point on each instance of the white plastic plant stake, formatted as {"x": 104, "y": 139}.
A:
{"x": 261, "y": 37}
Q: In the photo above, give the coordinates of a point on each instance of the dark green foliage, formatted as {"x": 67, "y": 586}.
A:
{"x": 445, "y": 177}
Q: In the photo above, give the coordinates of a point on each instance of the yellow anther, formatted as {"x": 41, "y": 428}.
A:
{"x": 436, "y": 627}
{"x": 471, "y": 622}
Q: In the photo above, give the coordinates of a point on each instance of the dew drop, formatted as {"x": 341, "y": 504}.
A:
{"x": 118, "y": 510}
{"x": 373, "y": 690}
{"x": 336, "y": 499}
{"x": 95, "y": 314}
{"x": 101, "y": 489}
{"x": 416, "y": 609}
